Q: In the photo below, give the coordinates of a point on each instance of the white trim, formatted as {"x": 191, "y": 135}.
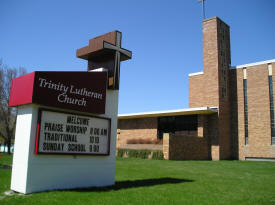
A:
{"x": 254, "y": 64}
{"x": 269, "y": 66}
{"x": 198, "y": 73}
{"x": 99, "y": 70}
{"x": 244, "y": 74}
{"x": 170, "y": 112}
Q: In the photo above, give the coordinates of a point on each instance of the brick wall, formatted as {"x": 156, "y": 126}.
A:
{"x": 210, "y": 62}
{"x": 259, "y": 131}
{"x": 240, "y": 111}
{"x": 212, "y": 87}
{"x": 145, "y": 128}
{"x": 196, "y": 91}
{"x": 180, "y": 147}
{"x": 213, "y": 136}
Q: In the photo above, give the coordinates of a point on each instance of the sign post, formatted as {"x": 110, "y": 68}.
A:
{"x": 66, "y": 124}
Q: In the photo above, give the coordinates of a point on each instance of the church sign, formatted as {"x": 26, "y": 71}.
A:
{"x": 81, "y": 91}
{"x": 66, "y": 122}
{"x": 69, "y": 133}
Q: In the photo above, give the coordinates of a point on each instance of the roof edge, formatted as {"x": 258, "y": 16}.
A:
{"x": 187, "y": 111}
{"x": 197, "y": 73}
{"x": 253, "y": 64}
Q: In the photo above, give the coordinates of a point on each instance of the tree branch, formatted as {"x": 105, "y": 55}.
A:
{"x": 3, "y": 136}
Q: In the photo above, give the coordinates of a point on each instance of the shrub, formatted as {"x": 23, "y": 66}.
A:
{"x": 143, "y": 153}
{"x": 121, "y": 152}
{"x": 157, "y": 154}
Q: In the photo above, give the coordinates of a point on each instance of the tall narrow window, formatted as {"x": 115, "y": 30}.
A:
{"x": 272, "y": 123}
{"x": 245, "y": 107}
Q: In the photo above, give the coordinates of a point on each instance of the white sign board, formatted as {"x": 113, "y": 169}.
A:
{"x": 69, "y": 133}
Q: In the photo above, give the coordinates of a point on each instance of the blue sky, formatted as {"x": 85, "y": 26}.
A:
{"x": 164, "y": 36}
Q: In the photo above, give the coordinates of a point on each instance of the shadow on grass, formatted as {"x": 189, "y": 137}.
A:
{"x": 132, "y": 184}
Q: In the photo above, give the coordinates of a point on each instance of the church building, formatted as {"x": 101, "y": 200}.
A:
{"x": 230, "y": 114}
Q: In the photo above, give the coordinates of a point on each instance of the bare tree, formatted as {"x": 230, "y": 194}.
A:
{"x": 7, "y": 114}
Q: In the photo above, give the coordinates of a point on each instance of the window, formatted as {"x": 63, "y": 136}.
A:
{"x": 172, "y": 124}
{"x": 223, "y": 92}
{"x": 245, "y": 111}
{"x": 271, "y": 109}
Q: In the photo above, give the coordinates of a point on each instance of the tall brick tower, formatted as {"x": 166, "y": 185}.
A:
{"x": 213, "y": 86}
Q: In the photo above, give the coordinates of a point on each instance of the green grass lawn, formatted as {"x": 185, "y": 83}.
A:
{"x": 142, "y": 181}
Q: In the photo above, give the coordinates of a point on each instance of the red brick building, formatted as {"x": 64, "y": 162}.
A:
{"x": 230, "y": 114}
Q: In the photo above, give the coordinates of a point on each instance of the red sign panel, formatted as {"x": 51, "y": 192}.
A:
{"x": 81, "y": 91}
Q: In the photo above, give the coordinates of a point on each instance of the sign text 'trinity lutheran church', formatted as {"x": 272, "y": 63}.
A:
{"x": 65, "y": 115}
{"x": 81, "y": 91}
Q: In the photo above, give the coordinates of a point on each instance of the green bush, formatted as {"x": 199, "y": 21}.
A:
{"x": 143, "y": 153}
{"x": 121, "y": 152}
{"x": 158, "y": 154}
